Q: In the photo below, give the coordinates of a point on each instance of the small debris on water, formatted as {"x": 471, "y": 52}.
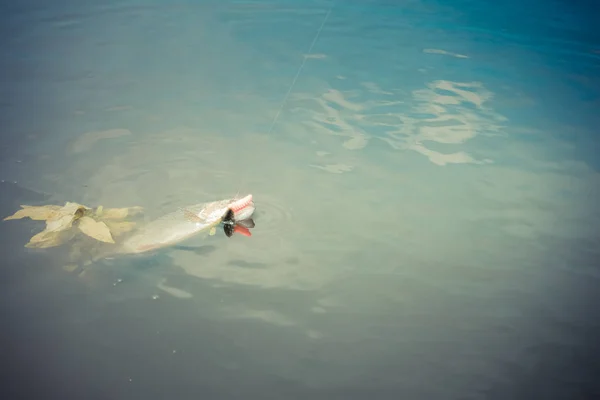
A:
{"x": 155, "y": 297}
{"x": 174, "y": 351}
{"x": 118, "y": 281}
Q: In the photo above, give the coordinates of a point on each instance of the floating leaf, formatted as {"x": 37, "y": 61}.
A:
{"x": 44, "y": 236}
{"x": 95, "y": 229}
{"x": 120, "y": 213}
{"x": 46, "y": 239}
{"x": 38, "y": 213}
{"x": 52, "y": 240}
{"x": 118, "y": 228}
{"x": 115, "y": 213}
{"x": 135, "y": 210}
{"x": 73, "y": 209}
{"x": 212, "y": 231}
{"x": 63, "y": 218}
{"x": 53, "y": 235}
{"x": 59, "y": 224}
{"x": 60, "y": 220}
{"x": 80, "y": 212}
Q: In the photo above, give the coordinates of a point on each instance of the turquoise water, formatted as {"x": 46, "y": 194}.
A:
{"x": 426, "y": 181}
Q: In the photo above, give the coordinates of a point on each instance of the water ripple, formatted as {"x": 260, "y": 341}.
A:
{"x": 271, "y": 216}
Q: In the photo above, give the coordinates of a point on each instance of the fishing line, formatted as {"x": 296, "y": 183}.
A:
{"x": 300, "y": 69}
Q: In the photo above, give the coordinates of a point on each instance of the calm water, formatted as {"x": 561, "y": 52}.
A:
{"x": 426, "y": 180}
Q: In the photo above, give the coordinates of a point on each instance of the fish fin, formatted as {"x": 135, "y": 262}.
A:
{"x": 190, "y": 216}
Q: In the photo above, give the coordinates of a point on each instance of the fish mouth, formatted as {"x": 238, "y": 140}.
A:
{"x": 242, "y": 208}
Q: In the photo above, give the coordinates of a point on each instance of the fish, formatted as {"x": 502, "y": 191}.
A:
{"x": 189, "y": 221}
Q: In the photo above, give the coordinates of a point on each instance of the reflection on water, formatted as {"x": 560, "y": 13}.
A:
{"x": 424, "y": 225}
{"x": 447, "y": 113}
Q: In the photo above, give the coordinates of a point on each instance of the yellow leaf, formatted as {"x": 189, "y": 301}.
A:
{"x": 118, "y": 228}
{"x": 115, "y": 213}
{"x": 46, "y": 239}
{"x": 42, "y": 237}
{"x": 95, "y": 229}
{"x": 74, "y": 209}
{"x": 80, "y": 212}
{"x": 99, "y": 211}
{"x": 38, "y": 213}
{"x": 63, "y": 218}
{"x": 59, "y": 223}
{"x": 120, "y": 213}
{"x": 49, "y": 242}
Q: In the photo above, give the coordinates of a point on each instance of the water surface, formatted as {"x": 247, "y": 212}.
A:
{"x": 425, "y": 175}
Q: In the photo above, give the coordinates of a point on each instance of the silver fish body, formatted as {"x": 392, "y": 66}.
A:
{"x": 184, "y": 223}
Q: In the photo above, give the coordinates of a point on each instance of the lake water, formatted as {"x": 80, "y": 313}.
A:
{"x": 424, "y": 172}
